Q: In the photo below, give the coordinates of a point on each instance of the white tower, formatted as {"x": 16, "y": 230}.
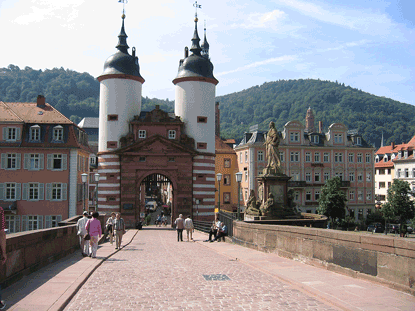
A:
{"x": 120, "y": 94}
{"x": 195, "y": 95}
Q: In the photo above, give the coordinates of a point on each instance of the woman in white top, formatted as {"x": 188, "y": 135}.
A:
{"x": 110, "y": 227}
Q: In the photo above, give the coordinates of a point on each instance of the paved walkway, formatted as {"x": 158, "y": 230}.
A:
{"x": 155, "y": 272}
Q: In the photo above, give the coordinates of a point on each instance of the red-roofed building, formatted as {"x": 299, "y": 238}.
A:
{"x": 43, "y": 155}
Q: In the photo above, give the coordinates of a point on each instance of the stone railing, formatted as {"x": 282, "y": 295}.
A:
{"x": 385, "y": 259}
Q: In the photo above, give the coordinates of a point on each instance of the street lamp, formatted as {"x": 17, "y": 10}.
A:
{"x": 238, "y": 180}
{"x": 96, "y": 175}
{"x": 219, "y": 178}
{"x": 84, "y": 177}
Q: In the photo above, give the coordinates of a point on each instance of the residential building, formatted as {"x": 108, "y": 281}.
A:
{"x": 43, "y": 155}
{"x": 312, "y": 157}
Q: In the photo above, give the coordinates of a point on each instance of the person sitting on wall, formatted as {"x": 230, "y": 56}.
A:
{"x": 212, "y": 232}
{"x": 222, "y": 232}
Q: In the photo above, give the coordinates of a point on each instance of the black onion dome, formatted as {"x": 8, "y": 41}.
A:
{"x": 196, "y": 66}
{"x": 122, "y": 63}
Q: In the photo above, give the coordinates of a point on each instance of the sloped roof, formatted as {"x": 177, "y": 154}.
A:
{"x": 7, "y": 114}
{"x": 222, "y": 147}
{"x": 31, "y": 113}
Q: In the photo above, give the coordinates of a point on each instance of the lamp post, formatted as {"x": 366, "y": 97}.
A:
{"x": 238, "y": 180}
{"x": 96, "y": 176}
{"x": 219, "y": 178}
{"x": 84, "y": 178}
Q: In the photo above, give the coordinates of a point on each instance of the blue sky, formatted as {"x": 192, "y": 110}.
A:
{"x": 365, "y": 44}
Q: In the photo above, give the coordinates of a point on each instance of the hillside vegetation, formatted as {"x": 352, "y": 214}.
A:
{"x": 76, "y": 96}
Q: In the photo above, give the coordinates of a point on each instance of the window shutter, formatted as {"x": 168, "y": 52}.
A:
{"x": 49, "y": 159}
{"x": 26, "y": 161}
{"x": 40, "y": 221}
{"x": 18, "y": 161}
{"x": 3, "y": 160}
{"x": 18, "y": 191}
{"x": 58, "y": 219}
{"x": 42, "y": 161}
{"x": 49, "y": 191}
{"x": 64, "y": 162}
{"x": 25, "y": 192}
{"x": 18, "y": 133}
{"x": 48, "y": 221}
{"x": 24, "y": 223}
{"x": 64, "y": 192}
{"x": 17, "y": 223}
{"x": 41, "y": 191}
{"x": 2, "y": 191}
{"x": 5, "y": 133}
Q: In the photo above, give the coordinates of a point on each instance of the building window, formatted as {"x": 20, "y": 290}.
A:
{"x": 33, "y": 191}
{"x": 295, "y": 176}
{"x": 12, "y": 223}
{"x": 351, "y": 195}
{"x": 93, "y": 160}
{"x": 398, "y": 175}
{"x": 112, "y": 144}
{"x": 11, "y": 134}
{"x": 368, "y": 177}
{"x": 326, "y": 176}
{"x": 34, "y": 162}
{"x": 172, "y": 134}
{"x": 260, "y": 156}
{"x": 142, "y": 159}
{"x": 367, "y": 157}
{"x": 32, "y": 222}
{"x": 58, "y": 133}
{"x": 315, "y": 139}
{"x": 227, "y": 163}
{"x": 338, "y": 138}
{"x": 281, "y": 156}
{"x": 359, "y": 158}
{"x": 339, "y": 175}
{"x": 382, "y": 184}
{"x": 172, "y": 159}
{"x": 201, "y": 146}
{"x": 358, "y": 141}
{"x": 246, "y": 175}
{"x": 326, "y": 157}
{"x": 338, "y": 157}
{"x": 295, "y": 156}
{"x": 201, "y": 119}
{"x": 316, "y": 195}
{"x": 57, "y": 162}
{"x": 226, "y": 198}
{"x": 308, "y": 177}
{"x": 56, "y": 191}
{"x": 360, "y": 195}
{"x": 351, "y": 157}
{"x": 317, "y": 157}
{"x": 142, "y": 134}
{"x": 308, "y": 195}
{"x": 294, "y": 137}
{"x": 316, "y": 176}
{"x": 52, "y": 221}
{"x": 246, "y": 156}
{"x": 406, "y": 173}
{"x": 360, "y": 214}
{"x": 113, "y": 117}
{"x": 360, "y": 177}
{"x": 369, "y": 195}
{"x": 308, "y": 157}
{"x": 240, "y": 157}
{"x": 227, "y": 180}
{"x": 11, "y": 191}
{"x": 34, "y": 133}
{"x": 351, "y": 176}
{"x": 377, "y": 159}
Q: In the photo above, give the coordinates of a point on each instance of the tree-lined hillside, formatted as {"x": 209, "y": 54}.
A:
{"x": 76, "y": 96}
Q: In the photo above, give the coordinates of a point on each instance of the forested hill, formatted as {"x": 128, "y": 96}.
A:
{"x": 76, "y": 96}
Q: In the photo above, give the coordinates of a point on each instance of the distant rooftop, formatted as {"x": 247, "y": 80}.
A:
{"x": 89, "y": 123}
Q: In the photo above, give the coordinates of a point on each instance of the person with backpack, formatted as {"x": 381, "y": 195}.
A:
{"x": 119, "y": 230}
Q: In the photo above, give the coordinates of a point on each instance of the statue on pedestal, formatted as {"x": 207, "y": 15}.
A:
{"x": 268, "y": 206}
{"x": 272, "y": 142}
{"x": 251, "y": 205}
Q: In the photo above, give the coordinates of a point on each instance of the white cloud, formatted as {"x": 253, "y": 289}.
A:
{"x": 261, "y": 20}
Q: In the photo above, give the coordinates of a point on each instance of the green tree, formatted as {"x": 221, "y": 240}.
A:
{"x": 332, "y": 201}
{"x": 399, "y": 206}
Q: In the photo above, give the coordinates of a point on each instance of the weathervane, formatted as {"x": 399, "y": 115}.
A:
{"x": 197, "y": 6}
{"x": 124, "y": 2}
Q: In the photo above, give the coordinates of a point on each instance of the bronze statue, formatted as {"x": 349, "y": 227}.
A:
{"x": 272, "y": 142}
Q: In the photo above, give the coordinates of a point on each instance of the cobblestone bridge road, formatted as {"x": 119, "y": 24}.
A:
{"x": 155, "y": 272}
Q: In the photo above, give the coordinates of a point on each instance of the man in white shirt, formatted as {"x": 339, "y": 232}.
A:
{"x": 188, "y": 225}
{"x": 81, "y": 233}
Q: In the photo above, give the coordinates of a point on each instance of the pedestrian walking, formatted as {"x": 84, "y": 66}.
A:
{"x": 93, "y": 226}
{"x": 110, "y": 227}
{"x": 188, "y": 224}
{"x": 3, "y": 249}
{"x": 81, "y": 225}
{"x": 179, "y": 223}
{"x": 119, "y": 230}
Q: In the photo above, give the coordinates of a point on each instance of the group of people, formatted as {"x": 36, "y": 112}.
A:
{"x": 161, "y": 220}
{"x": 182, "y": 224}
{"x": 89, "y": 232}
{"x": 218, "y": 231}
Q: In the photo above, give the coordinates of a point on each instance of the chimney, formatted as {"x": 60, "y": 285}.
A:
{"x": 41, "y": 101}
{"x": 320, "y": 127}
{"x": 393, "y": 145}
{"x": 217, "y": 119}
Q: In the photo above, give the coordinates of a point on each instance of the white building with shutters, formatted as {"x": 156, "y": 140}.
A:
{"x": 43, "y": 155}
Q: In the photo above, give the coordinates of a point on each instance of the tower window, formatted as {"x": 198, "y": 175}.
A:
{"x": 142, "y": 134}
{"x": 113, "y": 117}
{"x": 142, "y": 159}
{"x": 172, "y": 134}
{"x": 201, "y": 119}
{"x": 201, "y": 145}
{"x": 111, "y": 144}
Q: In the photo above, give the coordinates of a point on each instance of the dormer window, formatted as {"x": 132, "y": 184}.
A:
{"x": 58, "y": 133}
{"x": 34, "y": 134}
{"x": 315, "y": 139}
{"x": 172, "y": 134}
{"x": 377, "y": 159}
{"x": 392, "y": 157}
{"x": 294, "y": 136}
{"x": 142, "y": 134}
{"x": 338, "y": 138}
{"x": 405, "y": 154}
{"x": 399, "y": 154}
{"x": 359, "y": 141}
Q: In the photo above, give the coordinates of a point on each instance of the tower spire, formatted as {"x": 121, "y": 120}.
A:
{"x": 205, "y": 45}
{"x": 122, "y": 37}
{"x": 195, "y": 40}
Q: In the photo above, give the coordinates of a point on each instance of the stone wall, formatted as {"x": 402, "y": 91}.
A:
{"x": 386, "y": 259}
